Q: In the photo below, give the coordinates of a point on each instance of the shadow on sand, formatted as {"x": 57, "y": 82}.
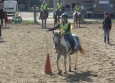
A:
{"x": 2, "y": 41}
{"x": 111, "y": 44}
{"x": 79, "y": 27}
{"x": 84, "y": 76}
{"x": 6, "y": 28}
{"x": 82, "y": 27}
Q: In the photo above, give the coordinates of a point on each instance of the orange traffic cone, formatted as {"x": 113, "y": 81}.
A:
{"x": 48, "y": 65}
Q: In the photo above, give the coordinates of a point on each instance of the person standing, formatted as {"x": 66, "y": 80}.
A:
{"x": 106, "y": 27}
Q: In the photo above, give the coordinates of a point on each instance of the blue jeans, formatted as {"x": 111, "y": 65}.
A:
{"x": 106, "y": 34}
{"x": 70, "y": 38}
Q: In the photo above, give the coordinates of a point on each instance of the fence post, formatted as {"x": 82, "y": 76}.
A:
{"x": 35, "y": 19}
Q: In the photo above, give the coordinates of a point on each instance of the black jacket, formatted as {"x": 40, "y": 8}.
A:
{"x": 107, "y": 22}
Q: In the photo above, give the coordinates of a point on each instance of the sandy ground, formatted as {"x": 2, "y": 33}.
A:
{"x": 23, "y": 56}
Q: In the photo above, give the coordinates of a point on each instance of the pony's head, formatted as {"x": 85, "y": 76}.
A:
{"x": 56, "y": 39}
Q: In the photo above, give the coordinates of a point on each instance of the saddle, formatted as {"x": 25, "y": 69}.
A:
{"x": 44, "y": 13}
{"x": 68, "y": 43}
{"x": 75, "y": 41}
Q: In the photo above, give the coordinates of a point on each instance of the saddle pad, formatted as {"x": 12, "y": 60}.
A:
{"x": 76, "y": 43}
{"x": 68, "y": 44}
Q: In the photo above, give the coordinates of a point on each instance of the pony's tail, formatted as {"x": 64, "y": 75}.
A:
{"x": 82, "y": 51}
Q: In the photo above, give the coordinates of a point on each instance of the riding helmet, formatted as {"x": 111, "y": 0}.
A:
{"x": 64, "y": 15}
{"x": 59, "y": 1}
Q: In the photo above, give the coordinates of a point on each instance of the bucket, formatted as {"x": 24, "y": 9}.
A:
{"x": 17, "y": 20}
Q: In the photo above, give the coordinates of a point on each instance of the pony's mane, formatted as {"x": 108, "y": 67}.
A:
{"x": 56, "y": 33}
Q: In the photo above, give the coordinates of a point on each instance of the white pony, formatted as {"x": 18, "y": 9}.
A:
{"x": 77, "y": 17}
{"x": 62, "y": 48}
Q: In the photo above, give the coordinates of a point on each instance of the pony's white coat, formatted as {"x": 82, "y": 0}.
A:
{"x": 66, "y": 43}
{"x": 63, "y": 42}
{"x": 62, "y": 46}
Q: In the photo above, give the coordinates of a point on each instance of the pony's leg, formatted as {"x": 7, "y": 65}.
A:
{"x": 2, "y": 22}
{"x": 79, "y": 22}
{"x": 59, "y": 19}
{"x": 0, "y": 32}
{"x": 42, "y": 23}
{"x": 5, "y": 23}
{"x": 65, "y": 64}
{"x": 76, "y": 57}
{"x": 69, "y": 63}
{"x": 74, "y": 23}
{"x": 57, "y": 60}
{"x": 54, "y": 21}
{"x": 45, "y": 23}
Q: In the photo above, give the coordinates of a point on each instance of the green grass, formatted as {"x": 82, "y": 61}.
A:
{"x": 28, "y": 21}
{"x": 113, "y": 20}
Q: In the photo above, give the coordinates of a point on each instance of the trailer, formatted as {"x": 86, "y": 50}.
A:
{"x": 10, "y": 6}
{"x": 90, "y": 8}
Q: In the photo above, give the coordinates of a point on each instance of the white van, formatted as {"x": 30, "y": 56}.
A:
{"x": 10, "y": 6}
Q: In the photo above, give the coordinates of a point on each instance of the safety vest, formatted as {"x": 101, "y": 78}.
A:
{"x": 43, "y": 7}
{"x": 65, "y": 26}
{"x": 78, "y": 8}
{"x": 59, "y": 5}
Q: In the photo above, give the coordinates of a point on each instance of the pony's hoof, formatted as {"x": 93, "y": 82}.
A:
{"x": 69, "y": 70}
{"x": 74, "y": 68}
{"x": 59, "y": 72}
{"x": 65, "y": 72}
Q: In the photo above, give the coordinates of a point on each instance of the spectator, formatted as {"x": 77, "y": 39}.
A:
{"x": 106, "y": 27}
